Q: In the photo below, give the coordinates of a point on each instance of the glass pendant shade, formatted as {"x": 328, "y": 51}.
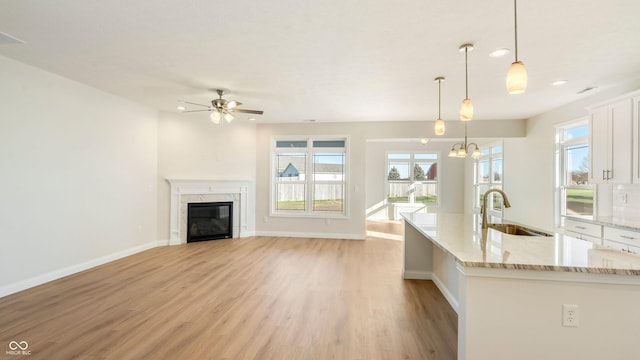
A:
{"x": 476, "y": 154}
{"x": 453, "y": 153}
{"x": 228, "y": 117}
{"x": 517, "y": 78}
{"x": 462, "y": 152}
{"x": 439, "y": 127}
{"x": 215, "y": 117}
{"x": 466, "y": 110}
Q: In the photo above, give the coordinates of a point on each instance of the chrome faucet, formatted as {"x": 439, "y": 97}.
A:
{"x": 483, "y": 209}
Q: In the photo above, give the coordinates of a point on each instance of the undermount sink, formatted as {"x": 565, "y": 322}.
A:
{"x": 513, "y": 229}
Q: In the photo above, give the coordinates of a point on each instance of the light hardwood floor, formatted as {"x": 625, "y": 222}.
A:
{"x": 250, "y": 298}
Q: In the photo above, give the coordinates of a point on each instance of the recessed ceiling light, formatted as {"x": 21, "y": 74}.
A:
{"x": 180, "y": 108}
{"x": 499, "y": 52}
{"x": 252, "y": 119}
{"x": 559, "y": 82}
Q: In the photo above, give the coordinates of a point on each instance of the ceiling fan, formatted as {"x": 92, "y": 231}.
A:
{"x": 221, "y": 108}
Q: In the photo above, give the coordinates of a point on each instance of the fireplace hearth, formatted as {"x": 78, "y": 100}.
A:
{"x": 209, "y": 221}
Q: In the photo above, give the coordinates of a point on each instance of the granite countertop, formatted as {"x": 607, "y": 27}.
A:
{"x": 460, "y": 235}
{"x": 626, "y": 223}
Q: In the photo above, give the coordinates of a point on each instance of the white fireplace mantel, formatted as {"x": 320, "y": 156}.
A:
{"x": 185, "y": 191}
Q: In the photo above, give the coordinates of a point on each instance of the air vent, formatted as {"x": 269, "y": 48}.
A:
{"x": 585, "y": 90}
{"x": 8, "y": 39}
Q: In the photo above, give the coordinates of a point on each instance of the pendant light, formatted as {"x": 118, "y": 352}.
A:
{"x": 517, "y": 75}
{"x": 466, "y": 110}
{"x": 439, "y": 127}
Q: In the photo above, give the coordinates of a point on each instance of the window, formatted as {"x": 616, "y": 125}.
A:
{"x": 575, "y": 194}
{"x": 309, "y": 177}
{"x": 412, "y": 177}
{"x": 488, "y": 175}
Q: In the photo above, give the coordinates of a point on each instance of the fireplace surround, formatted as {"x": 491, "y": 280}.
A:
{"x": 183, "y": 192}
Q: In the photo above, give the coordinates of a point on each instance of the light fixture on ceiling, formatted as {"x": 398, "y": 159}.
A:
{"x": 439, "y": 126}
{"x": 466, "y": 110}
{"x": 499, "y": 52}
{"x": 559, "y": 82}
{"x": 517, "y": 75}
{"x": 460, "y": 150}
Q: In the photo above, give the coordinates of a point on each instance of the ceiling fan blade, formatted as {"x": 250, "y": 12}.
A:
{"x": 231, "y": 104}
{"x": 191, "y": 103}
{"x": 185, "y": 111}
{"x": 257, "y": 112}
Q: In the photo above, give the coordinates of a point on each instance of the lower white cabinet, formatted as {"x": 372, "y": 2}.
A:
{"x": 583, "y": 228}
{"x": 620, "y": 239}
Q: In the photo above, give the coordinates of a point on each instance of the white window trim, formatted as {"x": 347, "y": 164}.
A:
{"x": 309, "y": 213}
{"x": 476, "y": 185}
{"x": 560, "y": 170}
{"x": 411, "y": 161}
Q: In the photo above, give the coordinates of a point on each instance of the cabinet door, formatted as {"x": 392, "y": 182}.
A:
{"x": 621, "y": 141}
{"x": 599, "y": 147}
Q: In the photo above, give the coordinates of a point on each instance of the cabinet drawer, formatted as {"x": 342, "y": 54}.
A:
{"x": 615, "y": 245}
{"x": 583, "y": 227}
{"x": 624, "y": 236}
{"x": 593, "y": 239}
{"x": 634, "y": 250}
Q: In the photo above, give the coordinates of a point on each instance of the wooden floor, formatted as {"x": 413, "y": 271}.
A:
{"x": 250, "y": 298}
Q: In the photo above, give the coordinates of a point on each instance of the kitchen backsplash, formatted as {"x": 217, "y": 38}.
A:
{"x": 625, "y": 201}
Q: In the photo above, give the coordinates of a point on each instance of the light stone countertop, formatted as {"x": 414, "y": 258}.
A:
{"x": 460, "y": 235}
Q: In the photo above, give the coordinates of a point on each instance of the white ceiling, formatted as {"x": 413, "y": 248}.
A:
{"x": 330, "y": 60}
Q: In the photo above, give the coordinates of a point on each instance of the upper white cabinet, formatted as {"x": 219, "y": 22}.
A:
{"x": 611, "y": 147}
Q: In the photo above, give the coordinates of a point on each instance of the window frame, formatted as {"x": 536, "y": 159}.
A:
{"x": 562, "y": 144}
{"x": 489, "y": 157}
{"x": 411, "y": 197}
{"x": 310, "y": 180}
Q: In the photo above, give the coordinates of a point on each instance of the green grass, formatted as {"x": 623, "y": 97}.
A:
{"x": 419, "y": 199}
{"x": 318, "y": 205}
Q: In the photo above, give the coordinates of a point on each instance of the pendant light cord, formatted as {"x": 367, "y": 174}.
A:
{"x": 515, "y": 20}
{"x": 466, "y": 73}
{"x": 439, "y": 98}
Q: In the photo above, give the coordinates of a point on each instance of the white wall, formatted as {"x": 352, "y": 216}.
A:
{"x": 78, "y": 176}
{"x": 191, "y": 147}
{"x": 529, "y": 163}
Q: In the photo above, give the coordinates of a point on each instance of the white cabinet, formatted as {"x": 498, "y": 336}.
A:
{"x": 611, "y": 143}
{"x": 583, "y": 228}
{"x": 620, "y": 239}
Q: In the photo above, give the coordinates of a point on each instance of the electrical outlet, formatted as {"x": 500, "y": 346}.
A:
{"x": 570, "y": 315}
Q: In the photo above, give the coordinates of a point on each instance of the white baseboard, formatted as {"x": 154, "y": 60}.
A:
{"x": 446, "y": 293}
{"x": 310, "y": 235}
{"x": 57, "y": 274}
{"x": 416, "y": 275}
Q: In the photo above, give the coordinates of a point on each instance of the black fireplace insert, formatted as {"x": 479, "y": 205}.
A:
{"x": 209, "y": 221}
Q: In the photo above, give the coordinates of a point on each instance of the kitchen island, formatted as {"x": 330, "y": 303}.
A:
{"x": 510, "y": 291}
